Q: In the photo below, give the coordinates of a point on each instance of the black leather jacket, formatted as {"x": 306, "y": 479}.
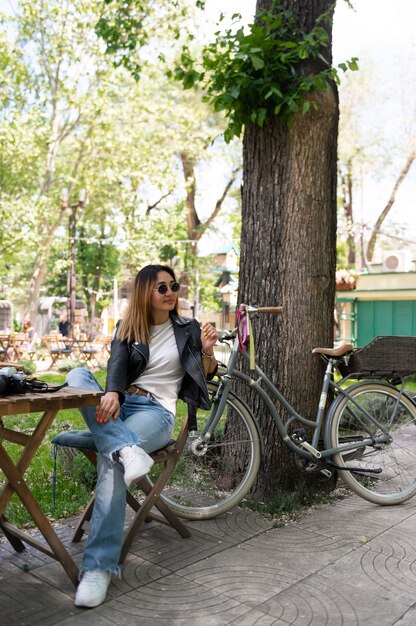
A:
{"x": 128, "y": 360}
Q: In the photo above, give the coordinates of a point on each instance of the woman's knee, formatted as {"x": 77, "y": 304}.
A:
{"x": 82, "y": 378}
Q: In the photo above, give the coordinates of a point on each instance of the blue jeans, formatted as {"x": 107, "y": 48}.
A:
{"x": 142, "y": 421}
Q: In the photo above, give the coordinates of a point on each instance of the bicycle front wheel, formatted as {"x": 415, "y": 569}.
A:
{"x": 396, "y": 458}
{"x": 209, "y": 482}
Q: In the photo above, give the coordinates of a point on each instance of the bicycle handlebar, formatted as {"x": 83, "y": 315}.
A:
{"x": 227, "y": 335}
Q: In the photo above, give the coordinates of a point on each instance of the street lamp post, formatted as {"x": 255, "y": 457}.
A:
{"x": 72, "y": 272}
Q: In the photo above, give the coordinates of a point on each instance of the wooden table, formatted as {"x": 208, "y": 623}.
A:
{"x": 48, "y": 404}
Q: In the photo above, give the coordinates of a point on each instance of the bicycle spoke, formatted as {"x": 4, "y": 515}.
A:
{"x": 396, "y": 458}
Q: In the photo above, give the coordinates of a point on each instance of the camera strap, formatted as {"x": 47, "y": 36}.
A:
{"x": 40, "y": 386}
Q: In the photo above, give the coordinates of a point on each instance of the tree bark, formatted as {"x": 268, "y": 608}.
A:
{"x": 288, "y": 254}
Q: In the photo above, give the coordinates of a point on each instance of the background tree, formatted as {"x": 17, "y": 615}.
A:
{"x": 368, "y": 154}
{"x": 354, "y": 142}
{"x": 70, "y": 119}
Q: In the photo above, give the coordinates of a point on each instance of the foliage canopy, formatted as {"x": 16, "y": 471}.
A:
{"x": 268, "y": 71}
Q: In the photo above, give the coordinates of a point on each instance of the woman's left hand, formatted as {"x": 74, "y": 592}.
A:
{"x": 209, "y": 337}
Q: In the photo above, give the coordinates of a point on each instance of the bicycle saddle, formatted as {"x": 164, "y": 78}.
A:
{"x": 343, "y": 348}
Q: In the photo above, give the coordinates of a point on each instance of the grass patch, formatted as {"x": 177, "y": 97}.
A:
{"x": 288, "y": 506}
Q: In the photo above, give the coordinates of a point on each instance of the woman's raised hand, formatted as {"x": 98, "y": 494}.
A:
{"x": 209, "y": 337}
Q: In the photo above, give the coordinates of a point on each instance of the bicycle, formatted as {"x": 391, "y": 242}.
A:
{"x": 367, "y": 434}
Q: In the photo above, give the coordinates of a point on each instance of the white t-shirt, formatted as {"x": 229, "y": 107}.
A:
{"x": 164, "y": 372}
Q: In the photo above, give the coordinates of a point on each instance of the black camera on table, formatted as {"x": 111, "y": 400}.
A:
{"x": 13, "y": 382}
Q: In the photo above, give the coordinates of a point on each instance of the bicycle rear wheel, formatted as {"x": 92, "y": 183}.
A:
{"x": 396, "y": 482}
{"x": 207, "y": 483}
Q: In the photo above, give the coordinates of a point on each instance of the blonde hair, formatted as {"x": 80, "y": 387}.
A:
{"x": 135, "y": 326}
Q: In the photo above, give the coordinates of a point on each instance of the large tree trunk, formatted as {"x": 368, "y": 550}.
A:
{"x": 288, "y": 254}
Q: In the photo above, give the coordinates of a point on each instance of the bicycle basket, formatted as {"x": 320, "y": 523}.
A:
{"x": 386, "y": 357}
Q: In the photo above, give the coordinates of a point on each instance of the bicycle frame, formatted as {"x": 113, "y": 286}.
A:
{"x": 308, "y": 451}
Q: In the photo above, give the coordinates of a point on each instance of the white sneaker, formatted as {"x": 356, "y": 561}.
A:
{"x": 92, "y": 589}
{"x": 136, "y": 463}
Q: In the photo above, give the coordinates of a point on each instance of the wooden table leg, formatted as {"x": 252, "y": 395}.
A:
{"x": 31, "y": 445}
{"x": 58, "y": 551}
{"x": 16, "y": 544}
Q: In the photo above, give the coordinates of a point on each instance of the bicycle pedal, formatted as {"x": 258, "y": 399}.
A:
{"x": 315, "y": 453}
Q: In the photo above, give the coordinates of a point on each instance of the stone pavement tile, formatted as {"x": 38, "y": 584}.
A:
{"x": 355, "y": 524}
{"x": 293, "y": 548}
{"x": 26, "y": 600}
{"x": 54, "y": 574}
{"x": 408, "y": 619}
{"x": 245, "y": 576}
{"x": 173, "y": 601}
{"x": 408, "y": 523}
{"x": 320, "y": 601}
{"x": 388, "y": 562}
{"x": 353, "y": 505}
{"x": 89, "y": 617}
{"x": 375, "y": 574}
{"x": 135, "y": 573}
{"x": 255, "y": 617}
{"x": 12, "y": 561}
{"x": 30, "y": 557}
{"x": 162, "y": 545}
{"x": 234, "y": 526}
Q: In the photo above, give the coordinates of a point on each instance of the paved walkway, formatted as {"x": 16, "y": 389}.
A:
{"x": 349, "y": 563}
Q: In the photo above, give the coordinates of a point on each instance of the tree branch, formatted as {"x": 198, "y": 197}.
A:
{"x": 154, "y": 205}
{"x": 376, "y": 230}
{"x": 203, "y": 227}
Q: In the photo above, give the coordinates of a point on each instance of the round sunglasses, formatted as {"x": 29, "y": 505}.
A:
{"x": 163, "y": 288}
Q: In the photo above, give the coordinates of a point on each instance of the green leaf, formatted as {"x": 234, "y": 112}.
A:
{"x": 305, "y": 106}
{"x": 273, "y": 91}
{"x": 234, "y": 92}
{"x": 261, "y": 116}
{"x": 190, "y": 79}
{"x": 353, "y": 64}
{"x": 257, "y": 62}
{"x": 292, "y": 105}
